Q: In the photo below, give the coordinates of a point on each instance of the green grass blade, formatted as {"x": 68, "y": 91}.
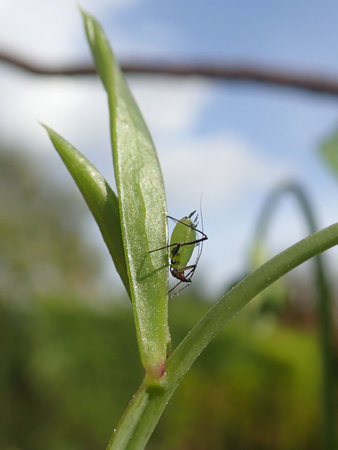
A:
{"x": 142, "y": 206}
{"x": 99, "y": 197}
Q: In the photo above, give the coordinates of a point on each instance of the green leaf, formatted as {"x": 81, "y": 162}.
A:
{"x": 142, "y": 206}
{"x": 329, "y": 151}
{"x": 99, "y": 197}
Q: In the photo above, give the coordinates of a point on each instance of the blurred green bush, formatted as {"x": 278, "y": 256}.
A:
{"x": 42, "y": 248}
{"x": 67, "y": 372}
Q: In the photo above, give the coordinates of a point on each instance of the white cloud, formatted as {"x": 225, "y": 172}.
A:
{"x": 41, "y": 28}
{"x": 169, "y": 105}
{"x": 77, "y": 107}
{"x": 219, "y": 166}
{"x": 49, "y": 30}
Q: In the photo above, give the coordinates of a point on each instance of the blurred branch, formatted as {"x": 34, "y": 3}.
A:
{"x": 221, "y": 71}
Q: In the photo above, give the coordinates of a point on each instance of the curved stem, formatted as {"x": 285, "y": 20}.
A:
{"x": 324, "y": 301}
{"x": 147, "y": 405}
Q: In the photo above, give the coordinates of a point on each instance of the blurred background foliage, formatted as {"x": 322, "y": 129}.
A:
{"x": 69, "y": 365}
{"x": 41, "y": 249}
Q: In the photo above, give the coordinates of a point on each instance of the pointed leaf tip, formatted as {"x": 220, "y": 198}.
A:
{"x": 142, "y": 203}
{"x": 99, "y": 197}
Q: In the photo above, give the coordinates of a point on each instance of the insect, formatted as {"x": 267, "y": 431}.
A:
{"x": 182, "y": 244}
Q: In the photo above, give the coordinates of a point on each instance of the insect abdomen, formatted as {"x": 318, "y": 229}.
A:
{"x": 182, "y": 233}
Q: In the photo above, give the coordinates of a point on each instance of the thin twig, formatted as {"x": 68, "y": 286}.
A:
{"x": 232, "y": 72}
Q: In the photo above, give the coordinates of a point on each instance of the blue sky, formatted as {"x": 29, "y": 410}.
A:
{"x": 301, "y": 33}
{"x": 231, "y": 142}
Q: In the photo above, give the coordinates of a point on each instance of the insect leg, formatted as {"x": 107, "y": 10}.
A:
{"x": 197, "y": 241}
{"x": 162, "y": 248}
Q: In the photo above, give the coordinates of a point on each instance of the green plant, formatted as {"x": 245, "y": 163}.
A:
{"x": 323, "y": 294}
{"x": 132, "y": 224}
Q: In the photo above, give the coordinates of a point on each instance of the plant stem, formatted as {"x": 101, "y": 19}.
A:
{"x": 146, "y": 407}
{"x": 324, "y": 301}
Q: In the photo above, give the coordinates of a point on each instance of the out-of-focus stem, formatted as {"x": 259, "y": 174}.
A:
{"x": 324, "y": 300}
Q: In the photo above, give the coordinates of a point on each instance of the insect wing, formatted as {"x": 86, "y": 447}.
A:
{"x": 183, "y": 233}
